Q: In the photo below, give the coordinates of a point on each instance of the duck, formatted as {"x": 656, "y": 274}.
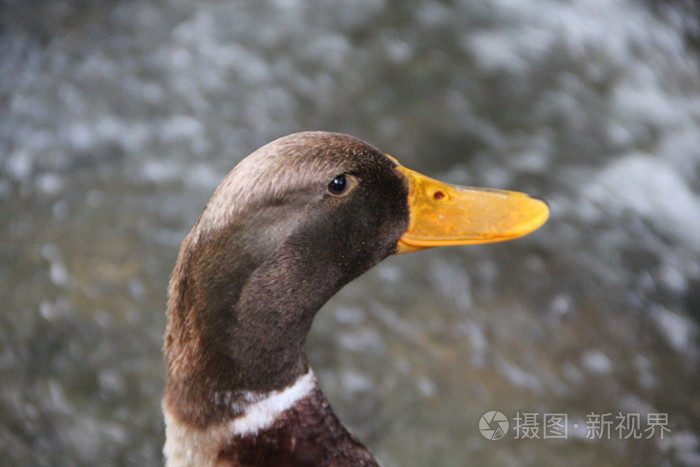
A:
{"x": 288, "y": 227}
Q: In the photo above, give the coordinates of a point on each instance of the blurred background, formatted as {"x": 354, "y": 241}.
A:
{"x": 118, "y": 119}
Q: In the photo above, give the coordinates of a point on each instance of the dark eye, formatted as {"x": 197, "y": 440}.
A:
{"x": 340, "y": 185}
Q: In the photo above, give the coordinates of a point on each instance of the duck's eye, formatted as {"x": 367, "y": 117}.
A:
{"x": 340, "y": 185}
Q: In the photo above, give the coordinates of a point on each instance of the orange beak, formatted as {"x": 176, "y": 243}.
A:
{"x": 443, "y": 214}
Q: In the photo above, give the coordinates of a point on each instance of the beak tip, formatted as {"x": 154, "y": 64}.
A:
{"x": 540, "y": 199}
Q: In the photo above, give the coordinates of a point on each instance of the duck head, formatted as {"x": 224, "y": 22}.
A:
{"x": 287, "y": 228}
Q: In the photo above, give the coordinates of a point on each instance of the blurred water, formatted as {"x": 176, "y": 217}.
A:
{"x": 118, "y": 119}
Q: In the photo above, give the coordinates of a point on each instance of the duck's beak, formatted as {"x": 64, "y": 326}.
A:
{"x": 443, "y": 214}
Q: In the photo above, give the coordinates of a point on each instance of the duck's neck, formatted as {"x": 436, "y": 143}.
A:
{"x": 237, "y": 327}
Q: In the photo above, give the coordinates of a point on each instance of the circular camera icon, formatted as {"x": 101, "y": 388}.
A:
{"x": 493, "y": 425}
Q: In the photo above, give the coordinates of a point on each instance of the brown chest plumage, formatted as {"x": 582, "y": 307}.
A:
{"x": 307, "y": 434}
